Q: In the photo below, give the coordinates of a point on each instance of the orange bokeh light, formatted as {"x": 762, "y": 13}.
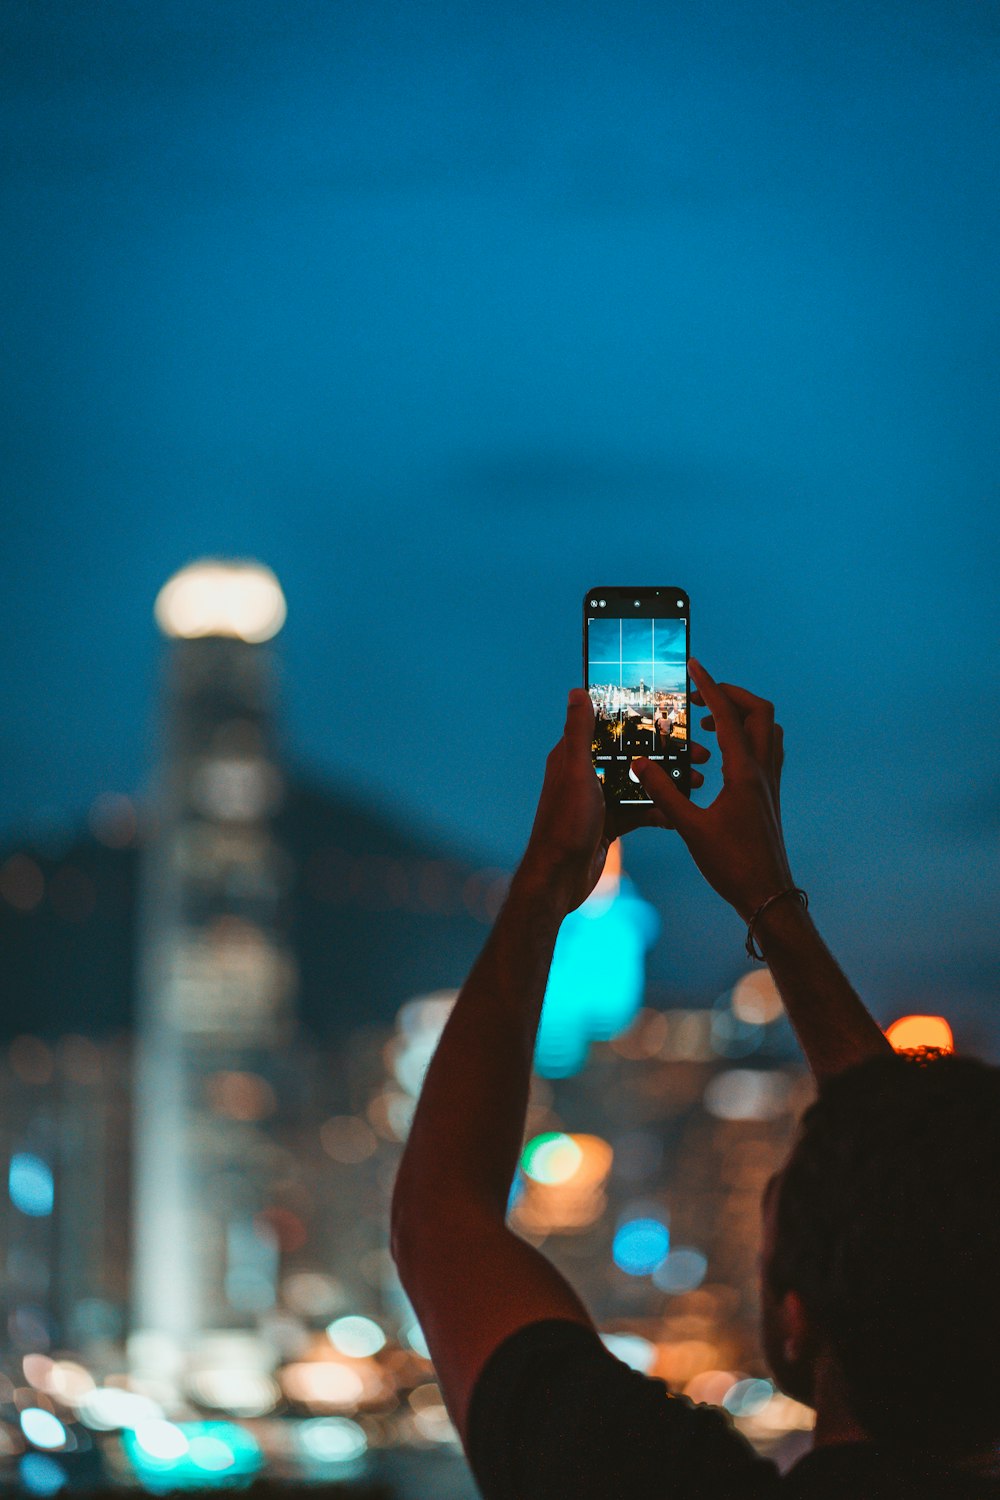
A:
{"x": 569, "y": 1203}
{"x": 921, "y": 1031}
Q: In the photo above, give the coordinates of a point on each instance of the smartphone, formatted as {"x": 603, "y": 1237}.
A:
{"x": 636, "y": 644}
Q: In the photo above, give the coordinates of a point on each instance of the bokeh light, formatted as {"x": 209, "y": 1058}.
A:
{"x": 242, "y": 600}
{"x": 747, "y": 1398}
{"x": 67, "y": 1381}
{"x": 561, "y": 1188}
{"x": 414, "y": 1336}
{"x": 30, "y": 1184}
{"x": 911, "y": 1032}
{"x": 212, "y": 1453}
{"x": 108, "y": 1407}
{"x": 710, "y": 1386}
{"x": 755, "y": 999}
{"x": 161, "y": 1440}
{"x": 348, "y": 1139}
{"x": 430, "y": 1415}
{"x": 41, "y": 1475}
{"x": 551, "y": 1158}
{"x": 632, "y": 1349}
{"x": 640, "y": 1246}
{"x": 42, "y": 1428}
{"x": 679, "y": 1361}
{"x": 241, "y": 1392}
{"x": 332, "y": 1440}
{"x": 747, "y": 1094}
{"x": 313, "y": 1293}
{"x": 240, "y": 1096}
{"x": 356, "y": 1337}
{"x": 683, "y": 1270}
{"x": 324, "y": 1383}
{"x": 191, "y": 1454}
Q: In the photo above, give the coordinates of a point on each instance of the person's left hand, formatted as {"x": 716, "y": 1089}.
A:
{"x": 573, "y": 828}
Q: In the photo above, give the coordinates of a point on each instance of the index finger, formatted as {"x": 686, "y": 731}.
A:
{"x": 757, "y": 715}
{"x": 729, "y": 730}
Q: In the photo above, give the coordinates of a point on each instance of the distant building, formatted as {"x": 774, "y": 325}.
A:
{"x": 65, "y": 1137}
{"x": 214, "y": 954}
{"x": 217, "y": 978}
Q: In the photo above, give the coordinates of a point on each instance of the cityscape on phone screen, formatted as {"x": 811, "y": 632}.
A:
{"x": 637, "y": 678}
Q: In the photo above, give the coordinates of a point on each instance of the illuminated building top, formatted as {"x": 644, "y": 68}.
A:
{"x": 242, "y": 600}
{"x": 597, "y": 980}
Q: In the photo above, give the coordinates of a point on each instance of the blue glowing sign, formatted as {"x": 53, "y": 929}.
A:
{"x": 597, "y": 979}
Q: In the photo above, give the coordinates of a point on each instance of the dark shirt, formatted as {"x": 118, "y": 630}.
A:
{"x": 555, "y": 1416}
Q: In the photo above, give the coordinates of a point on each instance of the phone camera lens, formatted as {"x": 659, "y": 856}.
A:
{"x": 593, "y": 603}
{"x": 603, "y": 602}
{"x": 680, "y": 604}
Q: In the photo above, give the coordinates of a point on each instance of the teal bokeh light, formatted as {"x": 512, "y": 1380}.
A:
{"x": 597, "y": 979}
{"x": 641, "y": 1246}
{"x": 192, "y": 1455}
{"x": 30, "y": 1184}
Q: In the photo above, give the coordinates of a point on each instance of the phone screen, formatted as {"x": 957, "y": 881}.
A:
{"x": 636, "y": 643}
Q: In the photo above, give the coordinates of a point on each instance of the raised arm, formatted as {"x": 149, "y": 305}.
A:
{"x": 472, "y": 1281}
{"x": 738, "y": 844}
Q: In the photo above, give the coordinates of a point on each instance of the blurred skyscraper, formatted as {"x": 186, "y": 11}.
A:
{"x": 216, "y": 977}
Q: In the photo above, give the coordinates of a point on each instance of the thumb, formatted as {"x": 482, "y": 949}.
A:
{"x": 579, "y": 728}
{"x": 668, "y": 798}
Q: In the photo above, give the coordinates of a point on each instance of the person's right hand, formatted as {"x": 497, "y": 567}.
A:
{"x": 736, "y": 841}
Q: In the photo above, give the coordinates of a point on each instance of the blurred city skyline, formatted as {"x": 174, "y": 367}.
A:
{"x": 447, "y": 317}
{"x": 233, "y": 1304}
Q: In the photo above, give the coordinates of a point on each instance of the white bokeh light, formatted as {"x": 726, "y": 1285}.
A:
{"x": 214, "y": 597}
{"x": 161, "y": 1440}
{"x": 356, "y": 1337}
{"x": 42, "y": 1428}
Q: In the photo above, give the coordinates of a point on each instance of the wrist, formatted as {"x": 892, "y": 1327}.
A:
{"x": 784, "y": 922}
{"x": 546, "y": 883}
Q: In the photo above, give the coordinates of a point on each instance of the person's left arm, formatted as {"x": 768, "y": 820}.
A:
{"x": 471, "y": 1279}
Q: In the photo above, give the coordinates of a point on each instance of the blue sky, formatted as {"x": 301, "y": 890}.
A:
{"x": 445, "y": 311}
{"x": 635, "y": 640}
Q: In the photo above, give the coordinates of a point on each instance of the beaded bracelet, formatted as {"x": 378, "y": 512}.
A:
{"x": 792, "y": 890}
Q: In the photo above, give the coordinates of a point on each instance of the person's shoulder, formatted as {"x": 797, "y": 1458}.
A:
{"x": 554, "y": 1413}
{"x": 864, "y": 1472}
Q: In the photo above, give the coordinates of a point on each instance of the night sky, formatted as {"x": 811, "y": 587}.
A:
{"x": 449, "y": 312}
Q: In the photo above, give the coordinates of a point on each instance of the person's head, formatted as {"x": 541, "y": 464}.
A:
{"x": 882, "y": 1251}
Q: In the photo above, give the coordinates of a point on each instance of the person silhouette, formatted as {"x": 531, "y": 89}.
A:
{"x": 881, "y": 1233}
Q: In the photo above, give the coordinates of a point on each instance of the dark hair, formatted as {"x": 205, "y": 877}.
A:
{"x": 888, "y": 1227}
